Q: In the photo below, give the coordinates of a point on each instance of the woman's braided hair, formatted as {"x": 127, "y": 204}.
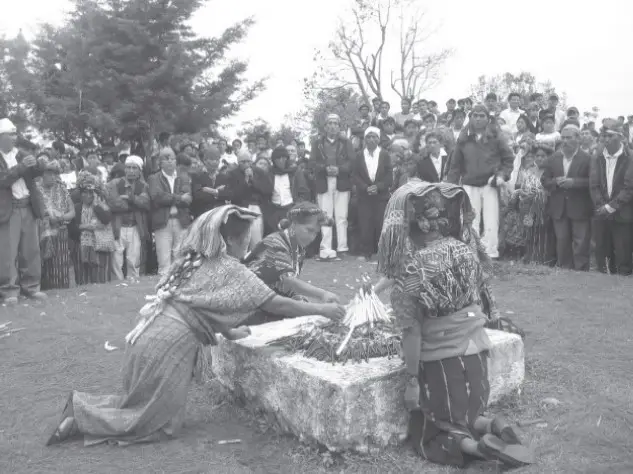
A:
{"x": 431, "y": 214}
{"x": 180, "y": 272}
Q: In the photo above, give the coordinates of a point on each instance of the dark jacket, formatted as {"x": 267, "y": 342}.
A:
{"x": 203, "y": 201}
{"x": 258, "y": 191}
{"x": 621, "y": 198}
{"x": 575, "y": 202}
{"x": 474, "y": 161}
{"x": 384, "y": 175}
{"x": 138, "y": 203}
{"x": 534, "y": 128}
{"x": 10, "y": 176}
{"x": 103, "y": 214}
{"x": 344, "y": 158}
{"x": 162, "y": 199}
{"x": 427, "y": 171}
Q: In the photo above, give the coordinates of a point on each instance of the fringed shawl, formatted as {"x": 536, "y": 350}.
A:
{"x": 395, "y": 242}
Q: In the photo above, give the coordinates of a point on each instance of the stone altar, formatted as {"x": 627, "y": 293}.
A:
{"x": 353, "y": 406}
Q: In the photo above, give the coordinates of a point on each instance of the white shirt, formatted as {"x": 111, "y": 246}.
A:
{"x": 567, "y": 163}
{"x": 511, "y": 116}
{"x": 69, "y": 179}
{"x": 371, "y": 161}
{"x": 172, "y": 182}
{"x": 282, "y": 195}
{"x": 18, "y": 188}
{"x": 437, "y": 162}
{"x": 610, "y": 162}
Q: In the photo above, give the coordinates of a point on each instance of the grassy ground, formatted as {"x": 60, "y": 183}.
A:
{"x": 579, "y": 338}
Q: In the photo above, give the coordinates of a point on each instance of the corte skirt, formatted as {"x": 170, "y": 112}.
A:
{"x": 453, "y": 393}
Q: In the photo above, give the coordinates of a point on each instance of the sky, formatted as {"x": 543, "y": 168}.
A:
{"x": 584, "y": 49}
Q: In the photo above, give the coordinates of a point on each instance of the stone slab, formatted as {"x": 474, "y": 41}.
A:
{"x": 344, "y": 407}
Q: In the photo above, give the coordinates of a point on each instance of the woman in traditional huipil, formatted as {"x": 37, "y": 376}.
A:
{"x": 60, "y": 210}
{"x": 439, "y": 272}
{"x": 278, "y": 259}
{"x": 206, "y": 291}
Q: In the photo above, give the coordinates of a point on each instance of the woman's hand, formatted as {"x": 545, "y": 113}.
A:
{"x": 412, "y": 393}
{"x": 238, "y": 333}
{"x": 333, "y": 311}
{"x": 329, "y": 297}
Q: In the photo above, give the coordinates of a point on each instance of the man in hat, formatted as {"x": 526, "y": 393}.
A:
{"x": 362, "y": 122}
{"x": 20, "y": 206}
{"x": 129, "y": 201}
{"x": 482, "y": 161}
{"x": 373, "y": 176}
{"x": 611, "y": 189}
{"x": 331, "y": 158}
{"x": 566, "y": 178}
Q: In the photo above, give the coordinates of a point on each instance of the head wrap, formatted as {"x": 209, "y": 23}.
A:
{"x": 87, "y": 181}
{"x": 333, "y": 118}
{"x": 394, "y": 238}
{"x": 203, "y": 235}
{"x": 6, "y": 126}
{"x": 374, "y": 130}
{"x": 135, "y": 161}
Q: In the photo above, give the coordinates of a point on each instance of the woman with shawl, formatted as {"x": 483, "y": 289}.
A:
{"x": 439, "y": 271}
{"x": 278, "y": 259}
{"x": 91, "y": 232}
{"x": 206, "y": 291}
{"x": 60, "y": 210}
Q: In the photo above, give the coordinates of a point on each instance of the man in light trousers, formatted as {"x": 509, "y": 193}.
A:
{"x": 331, "y": 158}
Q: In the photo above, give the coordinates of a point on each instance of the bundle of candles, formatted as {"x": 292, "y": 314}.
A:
{"x": 365, "y": 332}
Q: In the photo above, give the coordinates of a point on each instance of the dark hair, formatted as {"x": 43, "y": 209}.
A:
{"x": 234, "y": 227}
{"x": 163, "y": 137}
{"x": 513, "y": 94}
{"x": 524, "y": 118}
{"x": 183, "y": 160}
{"x": 535, "y": 97}
{"x": 491, "y": 96}
{"x": 237, "y": 140}
{"x": 423, "y": 100}
{"x": 548, "y": 117}
{"x": 59, "y": 147}
{"x": 301, "y": 143}
{"x": 459, "y": 112}
{"x": 279, "y": 152}
{"x": 435, "y": 135}
{"x": 406, "y": 99}
{"x": 409, "y": 122}
{"x": 432, "y": 103}
{"x": 385, "y": 102}
{"x": 450, "y": 101}
{"x": 542, "y": 146}
{"x": 429, "y": 116}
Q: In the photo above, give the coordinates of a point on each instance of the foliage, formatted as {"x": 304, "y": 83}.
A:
{"x": 15, "y": 80}
{"x": 127, "y": 69}
{"x": 524, "y": 83}
{"x": 253, "y": 128}
{"x": 360, "y": 54}
{"x": 343, "y": 102}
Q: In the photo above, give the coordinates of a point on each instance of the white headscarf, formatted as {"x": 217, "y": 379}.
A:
{"x": 134, "y": 160}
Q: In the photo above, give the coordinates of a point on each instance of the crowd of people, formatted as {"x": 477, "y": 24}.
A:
{"x": 543, "y": 185}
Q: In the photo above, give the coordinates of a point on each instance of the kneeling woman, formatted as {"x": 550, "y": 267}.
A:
{"x": 439, "y": 272}
{"x": 278, "y": 258}
{"x": 207, "y": 290}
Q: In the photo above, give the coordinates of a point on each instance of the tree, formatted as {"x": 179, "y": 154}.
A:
{"x": 524, "y": 83}
{"x": 251, "y": 129}
{"x": 357, "y": 56}
{"x": 343, "y": 102}
{"x": 126, "y": 69}
{"x": 15, "y": 81}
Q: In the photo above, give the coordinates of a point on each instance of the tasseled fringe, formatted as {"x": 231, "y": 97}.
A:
{"x": 391, "y": 250}
{"x": 202, "y": 372}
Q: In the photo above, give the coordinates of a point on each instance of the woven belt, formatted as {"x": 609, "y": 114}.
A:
{"x": 22, "y": 203}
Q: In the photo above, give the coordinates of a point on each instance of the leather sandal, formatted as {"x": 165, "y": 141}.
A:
{"x": 504, "y": 431}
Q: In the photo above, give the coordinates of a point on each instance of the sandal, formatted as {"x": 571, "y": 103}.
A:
{"x": 512, "y": 455}
{"x": 65, "y": 427}
{"x": 504, "y": 431}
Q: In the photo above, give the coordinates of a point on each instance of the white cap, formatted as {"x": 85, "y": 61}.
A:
{"x": 6, "y": 126}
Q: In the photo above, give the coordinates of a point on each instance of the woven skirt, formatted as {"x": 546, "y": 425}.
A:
{"x": 55, "y": 270}
{"x": 453, "y": 393}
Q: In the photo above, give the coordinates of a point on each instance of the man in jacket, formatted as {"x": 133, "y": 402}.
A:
{"x": 170, "y": 195}
{"x": 129, "y": 201}
{"x": 433, "y": 165}
{"x": 611, "y": 189}
{"x": 566, "y": 178}
{"x": 20, "y": 207}
{"x": 331, "y": 158}
{"x": 482, "y": 161}
{"x": 209, "y": 187}
{"x": 373, "y": 176}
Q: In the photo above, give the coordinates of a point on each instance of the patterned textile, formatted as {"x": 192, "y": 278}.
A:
{"x": 57, "y": 203}
{"x": 445, "y": 277}
{"x": 453, "y": 393}
{"x": 275, "y": 257}
{"x": 55, "y": 270}
{"x": 94, "y": 267}
{"x": 196, "y": 298}
{"x": 395, "y": 243}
